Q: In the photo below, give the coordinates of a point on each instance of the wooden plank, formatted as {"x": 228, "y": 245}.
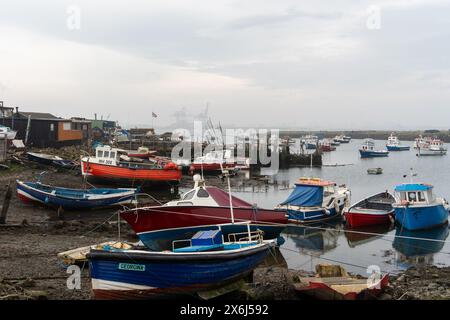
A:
{"x": 5, "y": 205}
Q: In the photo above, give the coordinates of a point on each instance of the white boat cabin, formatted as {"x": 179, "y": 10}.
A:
{"x": 418, "y": 194}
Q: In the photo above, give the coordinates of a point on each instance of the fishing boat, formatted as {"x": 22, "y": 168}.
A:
{"x": 310, "y": 142}
{"x": 434, "y": 147}
{"x": 416, "y": 207}
{"x": 107, "y": 165}
{"x": 214, "y": 161}
{"x": 51, "y": 160}
{"x": 198, "y": 209}
{"x": 315, "y": 200}
{"x": 332, "y": 282}
{"x": 196, "y": 266}
{"x": 393, "y": 144}
{"x": 373, "y": 210}
{"x": 66, "y": 198}
{"x": 326, "y": 146}
{"x": 335, "y": 143}
{"x": 7, "y": 132}
{"x": 367, "y": 150}
{"x": 375, "y": 171}
{"x": 421, "y": 141}
{"x": 342, "y": 139}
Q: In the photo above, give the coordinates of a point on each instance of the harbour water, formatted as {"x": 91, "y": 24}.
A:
{"x": 305, "y": 247}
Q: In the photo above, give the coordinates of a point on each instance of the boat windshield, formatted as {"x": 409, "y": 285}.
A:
{"x": 189, "y": 195}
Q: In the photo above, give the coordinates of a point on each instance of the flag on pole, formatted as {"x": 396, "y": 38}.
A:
{"x": 154, "y": 115}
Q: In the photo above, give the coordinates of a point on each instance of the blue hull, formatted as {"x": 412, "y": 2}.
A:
{"x": 162, "y": 239}
{"x": 312, "y": 216}
{"x": 68, "y": 203}
{"x": 419, "y": 218}
{"x": 310, "y": 146}
{"x": 398, "y": 148}
{"x": 373, "y": 154}
{"x": 145, "y": 277}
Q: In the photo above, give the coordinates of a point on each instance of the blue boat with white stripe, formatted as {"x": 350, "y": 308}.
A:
{"x": 315, "y": 200}
{"x": 367, "y": 150}
{"x": 193, "y": 267}
{"x": 67, "y": 198}
{"x": 417, "y": 208}
{"x": 394, "y": 144}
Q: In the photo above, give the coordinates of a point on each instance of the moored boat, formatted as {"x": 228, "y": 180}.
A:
{"x": 434, "y": 147}
{"x": 393, "y": 144}
{"x": 51, "y": 160}
{"x": 207, "y": 263}
{"x": 375, "y": 171}
{"x": 198, "y": 209}
{"x": 310, "y": 142}
{"x": 7, "y": 132}
{"x": 373, "y": 210}
{"x": 68, "y": 198}
{"x": 108, "y": 166}
{"x": 214, "y": 161}
{"x": 332, "y": 282}
{"x": 315, "y": 200}
{"x": 417, "y": 208}
{"x": 367, "y": 150}
{"x": 326, "y": 145}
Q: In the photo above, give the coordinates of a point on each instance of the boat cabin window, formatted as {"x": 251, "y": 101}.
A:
{"x": 112, "y": 155}
{"x": 189, "y": 195}
{"x": 412, "y": 196}
{"x": 421, "y": 197}
{"x": 106, "y": 154}
{"x": 99, "y": 154}
{"x": 202, "y": 193}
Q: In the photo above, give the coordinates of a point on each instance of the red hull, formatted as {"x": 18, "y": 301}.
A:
{"x": 160, "y": 217}
{"x": 121, "y": 173}
{"x": 211, "y": 166}
{"x": 355, "y": 219}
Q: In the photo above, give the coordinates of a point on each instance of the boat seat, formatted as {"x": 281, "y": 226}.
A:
{"x": 213, "y": 247}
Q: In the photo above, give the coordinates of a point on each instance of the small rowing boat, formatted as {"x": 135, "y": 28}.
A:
{"x": 36, "y": 192}
{"x": 50, "y": 160}
{"x": 375, "y": 170}
{"x": 373, "y": 210}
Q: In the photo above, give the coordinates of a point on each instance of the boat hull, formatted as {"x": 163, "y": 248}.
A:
{"x": 431, "y": 152}
{"x": 373, "y": 154}
{"x": 360, "y": 219}
{"x": 211, "y": 167}
{"x": 125, "y": 175}
{"x": 311, "y": 216}
{"x": 158, "y": 226}
{"x": 398, "y": 148}
{"x": 419, "y": 218}
{"x": 124, "y": 275}
{"x": 31, "y": 195}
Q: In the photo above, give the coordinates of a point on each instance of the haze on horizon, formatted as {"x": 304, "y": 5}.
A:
{"x": 280, "y": 64}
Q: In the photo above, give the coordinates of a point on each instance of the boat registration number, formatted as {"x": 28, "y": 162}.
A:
{"x": 131, "y": 267}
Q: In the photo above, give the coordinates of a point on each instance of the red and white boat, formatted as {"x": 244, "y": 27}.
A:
{"x": 108, "y": 166}
{"x": 374, "y": 210}
{"x": 199, "y": 209}
{"x": 213, "y": 161}
{"x": 326, "y": 146}
{"x": 142, "y": 152}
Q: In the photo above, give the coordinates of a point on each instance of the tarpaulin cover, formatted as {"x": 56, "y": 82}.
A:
{"x": 223, "y": 198}
{"x": 305, "y": 196}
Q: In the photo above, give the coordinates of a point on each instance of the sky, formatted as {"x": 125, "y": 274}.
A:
{"x": 305, "y": 65}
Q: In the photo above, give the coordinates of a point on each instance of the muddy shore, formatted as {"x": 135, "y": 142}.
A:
{"x": 30, "y": 269}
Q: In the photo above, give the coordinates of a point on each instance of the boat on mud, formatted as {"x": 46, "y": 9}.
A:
{"x": 67, "y": 198}
{"x": 51, "y": 160}
{"x": 108, "y": 166}
{"x": 205, "y": 265}
{"x": 374, "y": 210}
{"x": 198, "y": 209}
{"x": 315, "y": 200}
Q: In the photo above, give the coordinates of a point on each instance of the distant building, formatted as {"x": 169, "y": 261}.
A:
{"x": 47, "y": 130}
{"x": 141, "y": 133}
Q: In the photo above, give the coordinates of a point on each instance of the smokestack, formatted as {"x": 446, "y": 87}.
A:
{"x": 17, "y": 109}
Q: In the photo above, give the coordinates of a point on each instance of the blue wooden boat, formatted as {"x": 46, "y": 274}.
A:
{"x": 367, "y": 150}
{"x": 51, "y": 160}
{"x": 417, "y": 208}
{"x": 315, "y": 200}
{"x": 194, "y": 266}
{"x": 36, "y": 192}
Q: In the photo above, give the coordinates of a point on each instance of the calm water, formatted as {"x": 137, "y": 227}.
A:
{"x": 305, "y": 247}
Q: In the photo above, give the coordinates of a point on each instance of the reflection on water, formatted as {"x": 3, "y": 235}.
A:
{"x": 413, "y": 249}
{"x": 358, "y": 249}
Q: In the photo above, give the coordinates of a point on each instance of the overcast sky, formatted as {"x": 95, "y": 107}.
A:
{"x": 322, "y": 64}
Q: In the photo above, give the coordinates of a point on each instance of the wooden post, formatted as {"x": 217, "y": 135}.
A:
{"x": 28, "y": 129}
{"x": 5, "y": 205}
